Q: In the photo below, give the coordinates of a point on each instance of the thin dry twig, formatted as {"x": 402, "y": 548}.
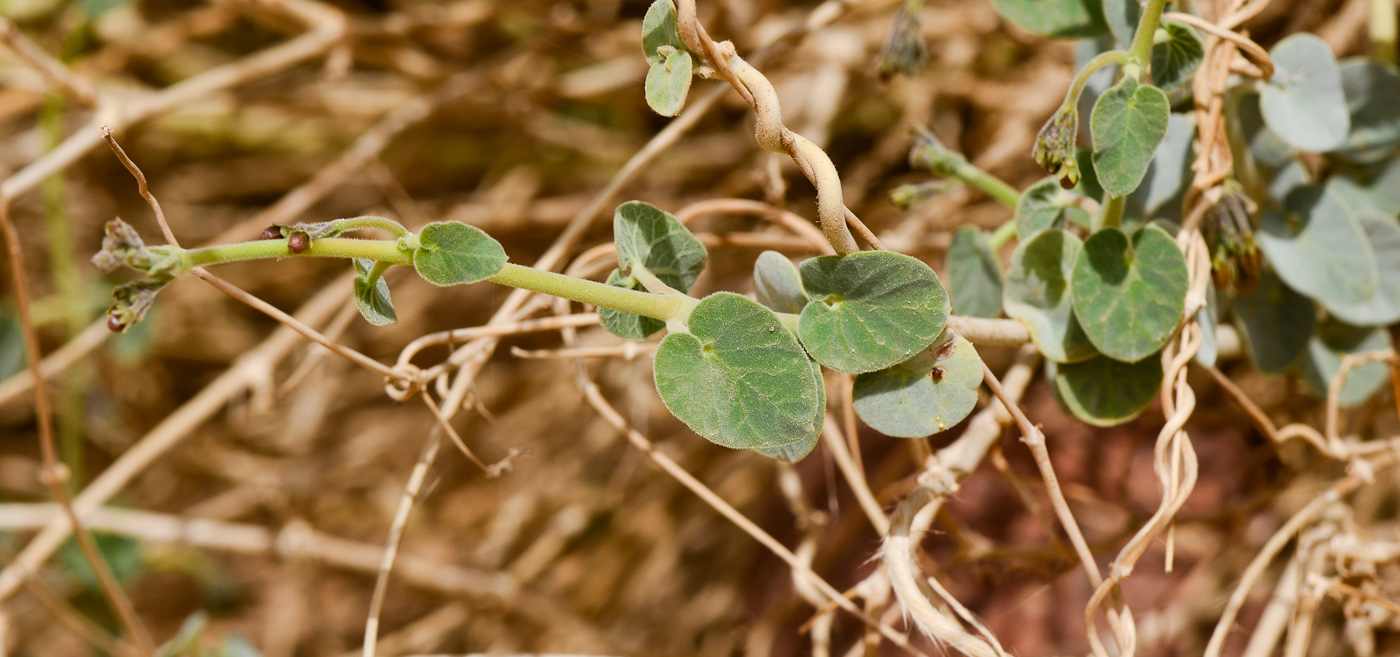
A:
{"x": 55, "y": 474}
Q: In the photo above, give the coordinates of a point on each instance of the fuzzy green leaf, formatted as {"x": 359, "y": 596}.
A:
{"x": 655, "y": 240}
{"x": 1303, "y": 102}
{"x": 1275, "y": 323}
{"x": 739, "y": 377}
{"x": 924, "y": 395}
{"x": 1128, "y": 123}
{"x": 1372, "y": 90}
{"x": 1057, "y": 18}
{"x": 777, "y": 284}
{"x": 668, "y": 83}
{"x": 975, "y": 274}
{"x": 799, "y": 450}
{"x": 1037, "y": 293}
{"x": 659, "y": 29}
{"x": 628, "y": 326}
{"x": 1333, "y": 341}
{"x": 870, "y": 310}
{"x": 373, "y": 296}
{"x": 1317, "y": 246}
{"x": 1383, "y": 234}
{"x": 1129, "y": 292}
{"x": 1105, "y": 392}
{"x": 452, "y": 253}
{"x": 1043, "y": 205}
{"x": 1175, "y": 60}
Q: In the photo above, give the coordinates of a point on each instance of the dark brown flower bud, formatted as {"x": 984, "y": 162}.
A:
{"x": 298, "y": 242}
{"x": 272, "y": 233}
{"x": 114, "y": 324}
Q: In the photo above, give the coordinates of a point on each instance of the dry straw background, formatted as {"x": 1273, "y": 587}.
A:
{"x": 261, "y": 475}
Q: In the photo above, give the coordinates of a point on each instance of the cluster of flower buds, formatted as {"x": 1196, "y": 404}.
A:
{"x": 904, "y": 52}
{"x": 1055, "y": 145}
{"x": 1235, "y": 258}
{"x": 130, "y": 303}
{"x": 122, "y": 246}
{"x": 930, "y": 153}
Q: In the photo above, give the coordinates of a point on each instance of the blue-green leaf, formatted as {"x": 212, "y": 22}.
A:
{"x": 1275, "y": 323}
{"x": 653, "y": 239}
{"x": 1128, "y": 123}
{"x": 924, "y": 395}
{"x": 1038, "y": 294}
{"x": 975, "y": 274}
{"x": 1105, "y": 392}
{"x": 1372, "y": 90}
{"x": 659, "y": 30}
{"x": 628, "y": 326}
{"x": 1383, "y": 235}
{"x": 739, "y": 377}
{"x": 1129, "y": 292}
{"x": 1317, "y": 246}
{"x": 777, "y": 284}
{"x": 1333, "y": 341}
{"x": 1175, "y": 60}
{"x": 452, "y": 253}
{"x": 1057, "y": 18}
{"x": 1303, "y": 102}
{"x": 372, "y": 296}
{"x": 668, "y": 83}
{"x": 870, "y": 310}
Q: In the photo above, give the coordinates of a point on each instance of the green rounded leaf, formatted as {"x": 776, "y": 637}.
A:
{"x": 1128, "y": 123}
{"x": 870, "y": 310}
{"x": 659, "y": 29}
{"x": 1043, "y": 205}
{"x": 1037, "y": 293}
{"x": 799, "y": 450}
{"x": 777, "y": 284}
{"x": 1057, "y": 18}
{"x": 1372, "y": 90}
{"x": 372, "y": 296}
{"x": 668, "y": 83}
{"x": 739, "y": 377}
{"x": 1175, "y": 60}
{"x": 1122, "y": 17}
{"x": 452, "y": 253}
{"x": 1129, "y": 292}
{"x": 1275, "y": 323}
{"x": 974, "y": 274}
{"x": 1105, "y": 392}
{"x": 1267, "y": 148}
{"x": 654, "y": 240}
{"x": 1317, "y": 246}
{"x": 1383, "y": 234}
{"x": 1303, "y": 102}
{"x": 1324, "y": 359}
{"x": 628, "y": 326}
{"x": 924, "y": 395}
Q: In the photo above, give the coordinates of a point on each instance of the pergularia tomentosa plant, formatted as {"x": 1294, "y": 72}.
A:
{"x": 1308, "y": 266}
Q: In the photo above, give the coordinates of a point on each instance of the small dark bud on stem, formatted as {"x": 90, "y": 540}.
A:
{"x": 298, "y": 242}
{"x": 272, "y": 233}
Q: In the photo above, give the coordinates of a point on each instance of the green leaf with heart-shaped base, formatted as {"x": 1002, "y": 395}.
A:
{"x": 1383, "y": 234}
{"x": 924, "y": 395}
{"x": 777, "y": 284}
{"x": 668, "y": 83}
{"x": 628, "y": 326}
{"x": 870, "y": 310}
{"x": 657, "y": 241}
{"x": 1318, "y": 247}
{"x": 1175, "y": 60}
{"x": 659, "y": 30}
{"x": 1105, "y": 392}
{"x": 1372, "y": 90}
{"x": 1038, "y": 294}
{"x": 452, "y": 253}
{"x": 1323, "y": 359}
{"x": 799, "y": 450}
{"x": 1129, "y": 293}
{"x": 372, "y": 296}
{"x": 1303, "y": 102}
{"x": 739, "y": 377}
{"x": 1128, "y": 123}
{"x": 652, "y": 239}
{"x": 1057, "y": 18}
{"x": 975, "y": 274}
{"x": 1275, "y": 323}
{"x": 1043, "y": 205}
